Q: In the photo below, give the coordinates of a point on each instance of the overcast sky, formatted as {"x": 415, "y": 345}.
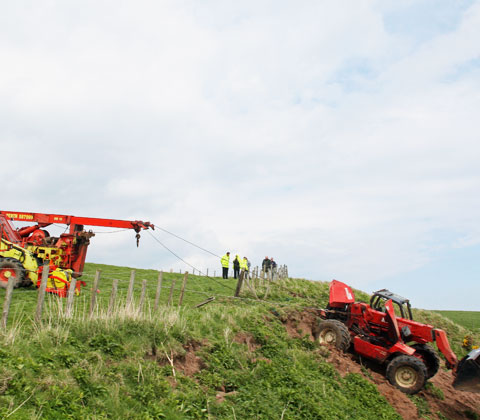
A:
{"x": 341, "y": 137}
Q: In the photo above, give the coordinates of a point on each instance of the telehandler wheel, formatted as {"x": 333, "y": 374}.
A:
{"x": 334, "y": 333}
{"x": 407, "y": 373}
{"x": 429, "y": 357}
{"x": 10, "y": 267}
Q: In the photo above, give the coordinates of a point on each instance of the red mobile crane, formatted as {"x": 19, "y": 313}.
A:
{"x": 23, "y": 250}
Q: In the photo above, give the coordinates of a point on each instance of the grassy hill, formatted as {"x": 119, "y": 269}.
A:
{"x": 230, "y": 359}
{"x": 467, "y": 319}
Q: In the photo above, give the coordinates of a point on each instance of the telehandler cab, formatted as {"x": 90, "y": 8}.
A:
{"x": 24, "y": 250}
{"x": 385, "y": 331}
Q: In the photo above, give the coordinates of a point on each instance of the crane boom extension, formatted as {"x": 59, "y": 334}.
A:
{"x": 48, "y": 219}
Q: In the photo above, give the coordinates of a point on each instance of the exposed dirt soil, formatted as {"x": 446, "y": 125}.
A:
{"x": 189, "y": 363}
{"x": 455, "y": 405}
{"x": 299, "y": 324}
{"x": 245, "y": 338}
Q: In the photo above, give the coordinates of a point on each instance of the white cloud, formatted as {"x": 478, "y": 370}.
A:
{"x": 313, "y": 132}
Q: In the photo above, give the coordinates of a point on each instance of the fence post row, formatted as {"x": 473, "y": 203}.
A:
{"x": 142, "y": 296}
{"x": 113, "y": 296}
{"x": 159, "y": 290}
{"x": 130, "y": 289}
{"x": 93, "y": 299}
{"x": 70, "y": 296}
{"x": 258, "y": 277}
{"x": 8, "y": 299}
{"x": 41, "y": 291}
{"x": 239, "y": 283}
{"x": 183, "y": 288}
{"x": 170, "y": 296}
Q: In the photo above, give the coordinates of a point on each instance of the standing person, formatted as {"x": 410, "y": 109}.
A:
{"x": 236, "y": 266}
{"x": 265, "y": 266}
{"x": 244, "y": 266}
{"x": 225, "y": 260}
{"x": 273, "y": 265}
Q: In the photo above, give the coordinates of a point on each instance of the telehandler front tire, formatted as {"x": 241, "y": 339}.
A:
{"x": 429, "y": 358}
{"x": 11, "y": 268}
{"x": 407, "y": 373}
{"x": 334, "y": 333}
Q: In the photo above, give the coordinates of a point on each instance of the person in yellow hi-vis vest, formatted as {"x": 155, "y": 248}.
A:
{"x": 244, "y": 266}
{"x": 225, "y": 261}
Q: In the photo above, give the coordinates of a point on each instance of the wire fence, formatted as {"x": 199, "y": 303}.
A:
{"x": 109, "y": 292}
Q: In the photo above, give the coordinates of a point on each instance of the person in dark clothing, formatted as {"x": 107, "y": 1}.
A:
{"x": 273, "y": 264}
{"x": 236, "y": 267}
{"x": 265, "y": 265}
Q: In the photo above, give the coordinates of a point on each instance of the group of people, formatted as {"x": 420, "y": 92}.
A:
{"x": 244, "y": 264}
{"x": 238, "y": 264}
{"x": 268, "y": 265}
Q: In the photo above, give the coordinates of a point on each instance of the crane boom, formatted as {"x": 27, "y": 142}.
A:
{"x": 44, "y": 220}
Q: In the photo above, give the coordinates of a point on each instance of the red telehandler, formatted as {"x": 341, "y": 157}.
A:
{"x": 385, "y": 331}
{"x": 24, "y": 250}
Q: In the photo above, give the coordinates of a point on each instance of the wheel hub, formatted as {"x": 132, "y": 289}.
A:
{"x": 328, "y": 337}
{"x": 6, "y": 273}
{"x": 406, "y": 376}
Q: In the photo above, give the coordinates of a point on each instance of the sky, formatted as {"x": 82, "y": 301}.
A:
{"x": 340, "y": 138}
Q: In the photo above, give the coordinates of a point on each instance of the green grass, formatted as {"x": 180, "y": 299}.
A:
{"x": 117, "y": 366}
{"x": 468, "y": 319}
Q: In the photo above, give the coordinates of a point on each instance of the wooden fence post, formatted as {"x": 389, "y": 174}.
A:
{"x": 113, "y": 296}
{"x": 239, "y": 283}
{"x": 183, "y": 288}
{"x": 93, "y": 299}
{"x": 70, "y": 296}
{"x": 41, "y": 291}
{"x": 207, "y": 272}
{"x": 8, "y": 299}
{"x": 142, "y": 296}
{"x": 159, "y": 290}
{"x": 130, "y": 289}
{"x": 171, "y": 292}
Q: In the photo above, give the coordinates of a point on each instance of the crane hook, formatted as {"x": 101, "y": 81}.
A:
{"x": 138, "y": 238}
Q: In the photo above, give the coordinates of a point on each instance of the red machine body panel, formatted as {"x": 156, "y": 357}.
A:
{"x": 340, "y": 294}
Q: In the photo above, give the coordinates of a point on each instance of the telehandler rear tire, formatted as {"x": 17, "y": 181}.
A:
{"x": 333, "y": 332}
{"x": 11, "y": 268}
{"x": 407, "y": 373}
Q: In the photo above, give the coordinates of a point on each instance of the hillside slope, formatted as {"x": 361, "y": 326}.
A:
{"x": 230, "y": 359}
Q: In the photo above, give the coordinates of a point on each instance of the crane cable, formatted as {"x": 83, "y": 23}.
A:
{"x": 188, "y": 242}
{"x": 187, "y": 263}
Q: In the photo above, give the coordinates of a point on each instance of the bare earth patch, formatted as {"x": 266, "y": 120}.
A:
{"x": 189, "y": 363}
{"x": 247, "y": 339}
